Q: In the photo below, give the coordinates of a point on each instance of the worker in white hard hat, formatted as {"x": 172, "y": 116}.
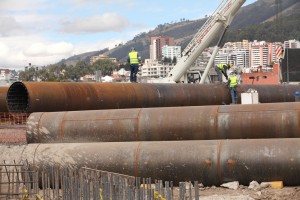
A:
{"x": 232, "y": 84}
{"x": 134, "y": 60}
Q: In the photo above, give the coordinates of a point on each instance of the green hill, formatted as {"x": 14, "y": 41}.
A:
{"x": 257, "y": 21}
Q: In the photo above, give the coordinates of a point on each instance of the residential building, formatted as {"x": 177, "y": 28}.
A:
{"x": 260, "y": 53}
{"x": 155, "y": 69}
{"x": 202, "y": 61}
{"x": 241, "y": 57}
{"x": 236, "y": 53}
{"x": 224, "y": 56}
{"x": 101, "y": 57}
{"x": 171, "y": 52}
{"x": 4, "y": 74}
{"x": 156, "y": 44}
{"x": 292, "y": 44}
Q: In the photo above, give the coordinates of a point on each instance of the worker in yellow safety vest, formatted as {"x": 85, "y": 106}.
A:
{"x": 134, "y": 60}
{"x": 222, "y": 69}
{"x": 232, "y": 84}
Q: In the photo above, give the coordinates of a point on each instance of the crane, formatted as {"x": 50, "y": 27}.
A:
{"x": 217, "y": 23}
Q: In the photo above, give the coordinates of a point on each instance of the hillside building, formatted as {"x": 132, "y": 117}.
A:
{"x": 155, "y": 69}
{"x": 292, "y": 44}
{"x": 156, "y": 45}
{"x": 93, "y": 59}
{"x": 262, "y": 53}
{"x": 171, "y": 52}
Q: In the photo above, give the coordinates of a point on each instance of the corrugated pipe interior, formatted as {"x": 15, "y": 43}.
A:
{"x": 17, "y": 98}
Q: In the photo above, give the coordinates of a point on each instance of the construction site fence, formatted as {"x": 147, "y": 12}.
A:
{"x": 21, "y": 181}
{"x": 11, "y": 120}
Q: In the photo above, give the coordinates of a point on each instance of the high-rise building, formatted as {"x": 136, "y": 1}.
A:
{"x": 260, "y": 53}
{"x": 171, "y": 52}
{"x": 156, "y": 45}
{"x": 292, "y": 44}
{"x": 241, "y": 57}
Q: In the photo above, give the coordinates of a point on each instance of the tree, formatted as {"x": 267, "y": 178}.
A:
{"x": 105, "y": 65}
{"x": 174, "y": 60}
{"x": 28, "y": 74}
{"x": 167, "y": 60}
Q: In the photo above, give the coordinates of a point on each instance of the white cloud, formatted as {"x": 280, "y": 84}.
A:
{"x": 44, "y": 50}
{"x": 19, "y": 50}
{"x": 17, "y": 5}
{"x": 9, "y": 26}
{"x": 95, "y": 24}
{"x": 3, "y": 50}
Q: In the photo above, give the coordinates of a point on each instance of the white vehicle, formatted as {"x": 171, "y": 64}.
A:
{"x": 215, "y": 25}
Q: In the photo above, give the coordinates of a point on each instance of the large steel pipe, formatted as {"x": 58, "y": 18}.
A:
{"x": 3, "y": 94}
{"x": 47, "y": 97}
{"x": 211, "y": 162}
{"x": 161, "y": 124}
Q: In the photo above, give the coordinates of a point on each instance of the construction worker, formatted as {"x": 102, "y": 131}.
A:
{"x": 222, "y": 69}
{"x": 232, "y": 84}
{"x": 134, "y": 60}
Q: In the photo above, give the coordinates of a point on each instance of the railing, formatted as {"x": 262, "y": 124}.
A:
{"x": 53, "y": 183}
{"x": 17, "y": 181}
{"x": 13, "y": 128}
{"x": 13, "y": 120}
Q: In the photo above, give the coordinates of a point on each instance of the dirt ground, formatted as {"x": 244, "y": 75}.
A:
{"x": 243, "y": 193}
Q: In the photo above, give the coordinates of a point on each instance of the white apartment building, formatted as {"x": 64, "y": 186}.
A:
{"x": 292, "y": 44}
{"x": 240, "y": 57}
{"x": 4, "y": 74}
{"x": 156, "y": 44}
{"x": 171, "y": 52}
{"x": 203, "y": 59}
{"x": 154, "y": 69}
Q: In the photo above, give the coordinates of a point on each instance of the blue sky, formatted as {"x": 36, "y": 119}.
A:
{"x": 43, "y": 32}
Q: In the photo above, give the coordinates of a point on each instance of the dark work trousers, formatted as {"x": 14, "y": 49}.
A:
{"x": 234, "y": 95}
{"x": 134, "y": 68}
{"x": 220, "y": 73}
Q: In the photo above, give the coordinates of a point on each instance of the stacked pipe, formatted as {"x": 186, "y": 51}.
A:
{"x": 212, "y": 162}
{"x": 199, "y": 157}
{"x": 166, "y": 124}
{"x": 3, "y": 94}
{"x": 49, "y": 96}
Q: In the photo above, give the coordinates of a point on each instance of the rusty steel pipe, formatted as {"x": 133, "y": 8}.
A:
{"x": 168, "y": 123}
{"x": 49, "y": 96}
{"x": 3, "y": 94}
{"x": 211, "y": 162}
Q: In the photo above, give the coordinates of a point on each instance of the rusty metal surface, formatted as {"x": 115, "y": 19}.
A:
{"x": 51, "y": 96}
{"x": 272, "y": 93}
{"x": 211, "y": 162}
{"x": 3, "y": 94}
{"x": 168, "y": 123}
{"x": 46, "y": 96}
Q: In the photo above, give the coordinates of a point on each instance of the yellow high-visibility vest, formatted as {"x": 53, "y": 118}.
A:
{"x": 221, "y": 66}
{"x": 233, "y": 81}
{"x": 133, "y": 56}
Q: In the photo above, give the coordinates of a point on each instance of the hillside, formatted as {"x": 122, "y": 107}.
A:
{"x": 254, "y": 21}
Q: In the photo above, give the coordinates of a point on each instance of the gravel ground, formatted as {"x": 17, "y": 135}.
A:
{"x": 243, "y": 193}
{"x": 12, "y": 136}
